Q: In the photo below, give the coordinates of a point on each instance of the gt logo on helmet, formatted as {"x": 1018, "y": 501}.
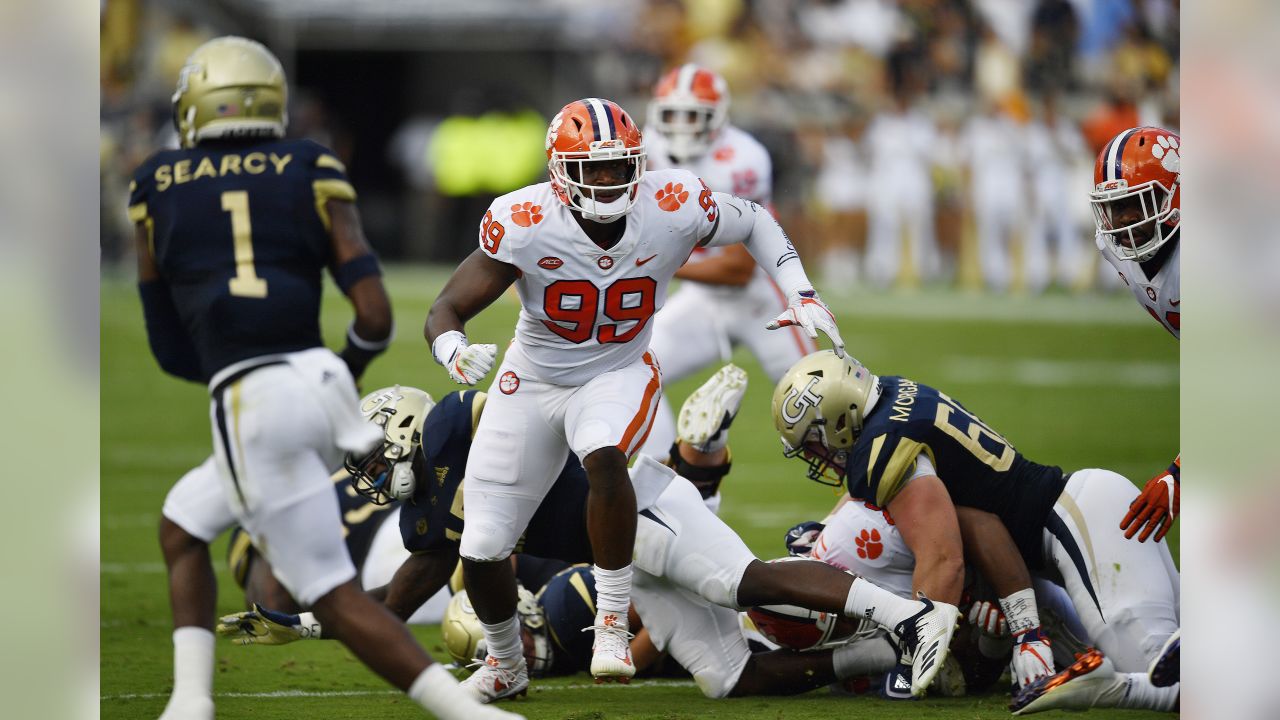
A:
{"x": 800, "y": 399}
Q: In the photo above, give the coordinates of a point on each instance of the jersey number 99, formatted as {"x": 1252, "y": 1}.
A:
{"x": 559, "y": 305}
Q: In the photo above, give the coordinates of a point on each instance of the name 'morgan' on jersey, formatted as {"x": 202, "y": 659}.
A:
{"x": 978, "y": 466}
{"x": 231, "y": 224}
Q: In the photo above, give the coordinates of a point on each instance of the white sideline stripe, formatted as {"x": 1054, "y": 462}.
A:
{"x": 276, "y": 694}
{"x": 119, "y": 568}
{"x": 1048, "y": 372}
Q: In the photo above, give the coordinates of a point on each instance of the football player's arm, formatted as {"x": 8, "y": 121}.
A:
{"x": 733, "y": 266}
{"x": 927, "y": 520}
{"x": 745, "y": 222}
{"x": 418, "y": 578}
{"x": 990, "y": 547}
{"x": 477, "y": 282}
{"x": 166, "y": 335}
{"x": 356, "y": 271}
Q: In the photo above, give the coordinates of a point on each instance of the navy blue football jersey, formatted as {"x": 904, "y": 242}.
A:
{"x": 360, "y": 522}
{"x": 979, "y": 467}
{"x": 433, "y": 518}
{"x": 240, "y": 235}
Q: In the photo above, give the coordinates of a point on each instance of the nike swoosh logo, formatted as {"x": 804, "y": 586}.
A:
{"x": 640, "y": 262}
{"x": 1175, "y": 303}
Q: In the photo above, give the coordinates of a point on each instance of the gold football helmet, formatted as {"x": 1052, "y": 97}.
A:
{"x": 818, "y": 408}
{"x": 230, "y": 87}
{"x": 464, "y": 637}
{"x": 390, "y": 471}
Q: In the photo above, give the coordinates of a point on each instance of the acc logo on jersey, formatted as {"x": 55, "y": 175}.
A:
{"x": 605, "y": 262}
{"x": 550, "y": 262}
{"x": 508, "y": 383}
{"x": 800, "y": 400}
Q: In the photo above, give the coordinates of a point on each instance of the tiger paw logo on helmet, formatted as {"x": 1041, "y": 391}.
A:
{"x": 672, "y": 196}
{"x": 869, "y": 545}
{"x": 1165, "y": 149}
{"x": 526, "y": 215}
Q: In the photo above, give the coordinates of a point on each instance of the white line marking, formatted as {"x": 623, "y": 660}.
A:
{"x": 278, "y": 694}
{"x": 1048, "y": 372}
{"x": 118, "y": 568}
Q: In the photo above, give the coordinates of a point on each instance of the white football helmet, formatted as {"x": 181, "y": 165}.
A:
{"x": 389, "y": 472}
{"x": 690, "y": 106}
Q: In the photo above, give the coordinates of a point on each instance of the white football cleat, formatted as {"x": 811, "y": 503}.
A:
{"x": 611, "y": 652}
{"x": 1090, "y": 681}
{"x": 712, "y": 407}
{"x": 494, "y": 681}
{"x": 925, "y": 639}
{"x": 1165, "y": 670}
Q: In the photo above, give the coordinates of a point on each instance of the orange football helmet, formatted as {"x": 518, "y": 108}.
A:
{"x": 690, "y": 106}
{"x": 1135, "y": 198}
{"x": 596, "y": 157}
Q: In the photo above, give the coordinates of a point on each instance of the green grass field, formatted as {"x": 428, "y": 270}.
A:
{"x": 1074, "y": 381}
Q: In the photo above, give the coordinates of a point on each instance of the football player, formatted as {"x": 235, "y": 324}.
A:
{"x": 1137, "y": 208}
{"x": 233, "y": 232}
{"x": 591, "y": 254}
{"x": 691, "y": 569}
{"x": 891, "y": 441}
{"x": 726, "y": 299}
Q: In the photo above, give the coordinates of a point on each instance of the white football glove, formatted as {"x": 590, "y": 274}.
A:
{"x": 1032, "y": 657}
{"x": 811, "y": 314}
{"x": 467, "y": 364}
{"x": 986, "y": 616}
{"x": 261, "y": 626}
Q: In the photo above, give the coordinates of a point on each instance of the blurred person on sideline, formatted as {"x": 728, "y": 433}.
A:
{"x": 725, "y": 299}
{"x": 233, "y": 231}
{"x": 1054, "y": 148}
{"x": 994, "y": 146}
{"x": 902, "y": 144}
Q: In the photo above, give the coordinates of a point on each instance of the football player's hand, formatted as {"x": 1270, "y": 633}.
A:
{"x": 261, "y": 626}
{"x": 987, "y": 617}
{"x": 1032, "y": 657}
{"x": 467, "y": 364}
{"x": 1156, "y": 508}
{"x": 809, "y": 313}
{"x": 800, "y": 538}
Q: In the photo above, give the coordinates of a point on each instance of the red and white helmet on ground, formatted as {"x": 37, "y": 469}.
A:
{"x": 690, "y": 105}
{"x": 800, "y": 628}
{"x": 1136, "y": 200}
{"x": 590, "y": 131}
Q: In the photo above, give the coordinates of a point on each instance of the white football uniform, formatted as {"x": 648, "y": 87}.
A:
{"x": 863, "y": 539}
{"x": 1160, "y": 296}
{"x": 579, "y": 375}
{"x": 903, "y": 147}
{"x": 995, "y": 150}
{"x": 701, "y": 323}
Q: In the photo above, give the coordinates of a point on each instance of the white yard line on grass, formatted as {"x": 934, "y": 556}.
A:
{"x": 274, "y": 694}
{"x": 1049, "y": 372}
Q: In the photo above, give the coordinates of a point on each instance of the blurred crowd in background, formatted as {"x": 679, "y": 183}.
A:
{"x": 913, "y": 142}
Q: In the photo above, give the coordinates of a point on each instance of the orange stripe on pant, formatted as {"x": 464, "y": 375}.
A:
{"x": 648, "y": 408}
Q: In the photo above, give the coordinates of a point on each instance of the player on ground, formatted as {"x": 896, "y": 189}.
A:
{"x": 725, "y": 299}
{"x": 884, "y": 436}
{"x": 1137, "y": 208}
{"x": 233, "y": 232}
{"x": 691, "y": 569}
{"x": 591, "y": 254}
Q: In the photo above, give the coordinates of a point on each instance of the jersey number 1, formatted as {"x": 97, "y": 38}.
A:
{"x": 246, "y": 283}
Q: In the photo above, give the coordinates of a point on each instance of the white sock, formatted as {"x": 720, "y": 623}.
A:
{"x": 863, "y": 657}
{"x": 503, "y": 641}
{"x": 1139, "y": 693}
{"x": 868, "y": 600}
{"x": 613, "y": 591}
{"x": 192, "y": 662}
{"x": 437, "y": 692}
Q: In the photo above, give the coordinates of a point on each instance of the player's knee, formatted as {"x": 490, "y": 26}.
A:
{"x": 176, "y": 541}
{"x": 605, "y": 462}
{"x": 484, "y": 541}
